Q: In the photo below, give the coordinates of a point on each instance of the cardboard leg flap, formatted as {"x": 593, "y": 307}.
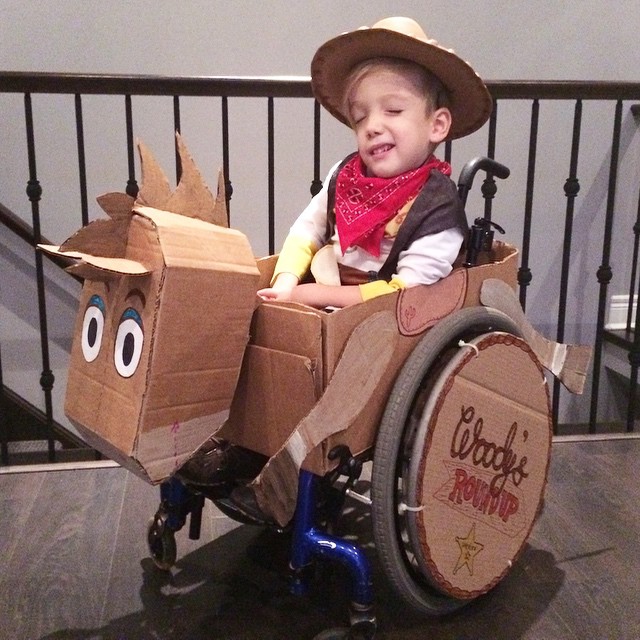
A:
{"x": 568, "y": 362}
{"x": 353, "y": 383}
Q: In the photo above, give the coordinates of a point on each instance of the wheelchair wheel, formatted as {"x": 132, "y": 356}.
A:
{"x": 436, "y": 505}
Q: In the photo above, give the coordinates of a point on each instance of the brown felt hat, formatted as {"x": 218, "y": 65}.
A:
{"x": 470, "y": 101}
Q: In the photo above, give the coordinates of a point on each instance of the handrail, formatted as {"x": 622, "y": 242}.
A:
{"x": 107, "y": 84}
{"x": 25, "y": 232}
{"x": 282, "y": 86}
{"x": 17, "y": 225}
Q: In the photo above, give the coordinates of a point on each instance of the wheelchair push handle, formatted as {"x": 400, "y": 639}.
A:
{"x": 481, "y": 233}
{"x": 491, "y": 166}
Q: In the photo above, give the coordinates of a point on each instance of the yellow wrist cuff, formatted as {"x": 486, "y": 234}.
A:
{"x": 380, "y": 287}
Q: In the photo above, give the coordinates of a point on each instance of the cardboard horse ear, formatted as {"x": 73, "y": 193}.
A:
{"x": 163, "y": 323}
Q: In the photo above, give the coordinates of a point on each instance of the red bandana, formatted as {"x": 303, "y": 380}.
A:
{"x": 364, "y": 204}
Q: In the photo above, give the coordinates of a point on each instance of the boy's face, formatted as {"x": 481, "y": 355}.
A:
{"x": 395, "y": 130}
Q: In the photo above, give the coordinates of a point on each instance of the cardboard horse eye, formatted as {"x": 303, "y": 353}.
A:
{"x": 129, "y": 343}
{"x": 92, "y": 330}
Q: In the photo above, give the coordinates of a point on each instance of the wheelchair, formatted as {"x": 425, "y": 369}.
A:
{"x": 457, "y": 436}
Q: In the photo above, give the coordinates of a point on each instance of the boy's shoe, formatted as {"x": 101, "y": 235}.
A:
{"x": 243, "y": 499}
{"x": 218, "y": 462}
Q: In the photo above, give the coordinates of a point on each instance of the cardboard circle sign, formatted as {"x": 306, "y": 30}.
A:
{"x": 479, "y": 465}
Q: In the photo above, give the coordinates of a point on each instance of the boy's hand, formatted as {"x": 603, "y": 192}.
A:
{"x": 282, "y": 288}
{"x": 271, "y": 293}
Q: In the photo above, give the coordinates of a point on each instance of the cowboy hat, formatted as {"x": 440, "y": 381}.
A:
{"x": 470, "y": 101}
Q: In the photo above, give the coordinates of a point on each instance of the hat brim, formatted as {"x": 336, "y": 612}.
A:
{"x": 470, "y": 101}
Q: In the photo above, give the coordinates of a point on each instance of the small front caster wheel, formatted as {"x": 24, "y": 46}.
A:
{"x": 162, "y": 544}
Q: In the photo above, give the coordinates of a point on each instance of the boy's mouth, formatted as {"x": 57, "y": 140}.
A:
{"x": 383, "y": 148}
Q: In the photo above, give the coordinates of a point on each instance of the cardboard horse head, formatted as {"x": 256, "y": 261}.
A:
{"x": 163, "y": 320}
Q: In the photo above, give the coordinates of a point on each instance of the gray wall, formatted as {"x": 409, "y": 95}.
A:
{"x": 534, "y": 39}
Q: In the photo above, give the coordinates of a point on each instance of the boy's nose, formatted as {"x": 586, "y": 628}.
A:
{"x": 374, "y": 125}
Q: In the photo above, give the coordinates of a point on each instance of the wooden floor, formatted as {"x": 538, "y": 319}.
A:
{"x": 74, "y": 564}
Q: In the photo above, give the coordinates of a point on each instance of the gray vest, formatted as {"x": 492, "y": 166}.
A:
{"x": 437, "y": 208}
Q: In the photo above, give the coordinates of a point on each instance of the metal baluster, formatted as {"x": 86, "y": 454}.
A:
{"x": 524, "y": 272}
{"x": 634, "y": 269}
{"x": 634, "y": 361}
{"x": 4, "y": 421}
{"x": 448, "y": 147}
{"x": 604, "y": 273}
{"x": 228, "y": 187}
{"x": 489, "y": 187}
{"x": 82, "y": 163}
{"x": 132, "y": 185}
{"x": 634, "y": 351}
{"x": 571, "y": 190}
{"x": 177, "y": 129}
{"x": 316, "y": 183}
{"x": 271, "y": 175}
{"x": 34, "y": 193}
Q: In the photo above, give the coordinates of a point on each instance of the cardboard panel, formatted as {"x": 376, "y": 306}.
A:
{"x": 481, "y": 470}
{"x": 143, "y": 243}
{"x": 201, "y": 332}
{"x": 362, "y": 433}
{"x": 266, "y": 267}
{"x": 161, "y": 451}
{"x": 338, "y": 325}
{"x": 419, "y": 308}
{"x": 321, "y": 336}
{"x": 276, "y": 390}
{"x": 111, "y": 451}
{"x": 290, "y": 328}
{"x": 191, "y": 243}
{"x": 187, "y": 321}
{"x": 504, "y": 268}
{"x": 100, "y": 402}
{"x": 97, "y": 396}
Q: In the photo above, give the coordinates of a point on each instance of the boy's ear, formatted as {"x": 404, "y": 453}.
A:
{"x": 441, "y": 124}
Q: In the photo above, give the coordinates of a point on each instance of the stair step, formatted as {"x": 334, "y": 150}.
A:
{"x": 26, "y": 452}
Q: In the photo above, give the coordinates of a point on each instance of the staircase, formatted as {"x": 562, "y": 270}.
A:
{"x": 33, "y": 428}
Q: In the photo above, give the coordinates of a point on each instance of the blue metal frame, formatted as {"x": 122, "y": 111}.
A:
{"x": 309, "y": 542}
{"x": 176, "y": 500}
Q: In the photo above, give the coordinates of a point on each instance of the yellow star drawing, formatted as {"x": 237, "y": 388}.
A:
{"x": 469, "y": 549}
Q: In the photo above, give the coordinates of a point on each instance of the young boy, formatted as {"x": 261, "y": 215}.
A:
{"x": 389, "y": 213}
{"x": 388, "y": 216}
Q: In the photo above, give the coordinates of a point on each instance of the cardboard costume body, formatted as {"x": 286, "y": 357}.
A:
{"x": 171, "y": 348}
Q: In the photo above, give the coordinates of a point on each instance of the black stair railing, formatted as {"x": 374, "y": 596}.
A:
{"x": 226, "y": 89}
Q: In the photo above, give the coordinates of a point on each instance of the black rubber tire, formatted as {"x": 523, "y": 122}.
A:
{"x": 162, "y": 545}
{"x": 345, "y": 633}
{"x": 394, "y": 443}
{"x": 339, "y": 633}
